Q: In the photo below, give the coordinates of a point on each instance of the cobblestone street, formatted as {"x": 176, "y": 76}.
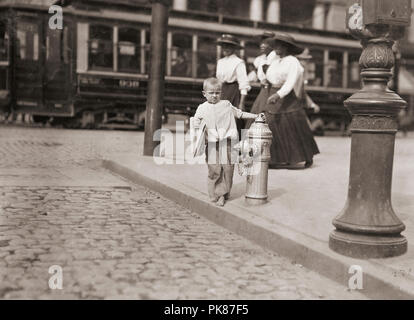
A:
{"x": 116, "y": 240}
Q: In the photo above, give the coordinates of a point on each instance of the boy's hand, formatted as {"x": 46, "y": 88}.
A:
{"x": 261, "y": 116}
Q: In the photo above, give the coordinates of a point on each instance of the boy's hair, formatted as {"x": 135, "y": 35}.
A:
{"x": 214, "y": 82}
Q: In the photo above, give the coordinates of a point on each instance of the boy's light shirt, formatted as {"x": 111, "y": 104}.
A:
{"x": 231, "y": 69}
{"x": 219, "y": 119}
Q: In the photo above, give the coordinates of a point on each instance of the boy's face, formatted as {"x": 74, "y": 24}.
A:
{"x": 212, "y": 94}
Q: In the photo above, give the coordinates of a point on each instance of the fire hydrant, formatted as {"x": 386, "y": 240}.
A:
{"x": 254, "y": 161}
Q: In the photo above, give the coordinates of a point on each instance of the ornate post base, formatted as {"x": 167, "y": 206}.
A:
{"x": 367, "y": 246}
{"x": 368, "y": 227}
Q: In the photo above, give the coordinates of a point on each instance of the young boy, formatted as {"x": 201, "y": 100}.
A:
{"x": 219, "y": 117}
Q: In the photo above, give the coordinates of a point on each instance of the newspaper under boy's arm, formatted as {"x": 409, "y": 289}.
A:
{"x": 198, "y": 117}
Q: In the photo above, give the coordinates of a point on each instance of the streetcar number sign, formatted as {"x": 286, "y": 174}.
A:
{"x": 128, "y": 83}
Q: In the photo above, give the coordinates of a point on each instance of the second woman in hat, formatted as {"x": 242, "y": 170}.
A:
{"x": 293, "y": 140}
{"x": 231, "y": 71}
{"x": 261, "y": 64}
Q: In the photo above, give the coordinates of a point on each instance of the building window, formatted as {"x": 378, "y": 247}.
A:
{"x": 204, "y": 5}
{"x": 101, "y": 53}
{"x": 27, "y": 41}
{"x": 297, "y": 12}
{"x": 129, "y": 49}
{"x": 181, "y": 55}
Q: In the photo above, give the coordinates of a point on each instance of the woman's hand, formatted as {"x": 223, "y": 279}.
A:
{"x": 264, "y": 82}
{"x": 315, "y": 107}
{"x": 273, "y": 98}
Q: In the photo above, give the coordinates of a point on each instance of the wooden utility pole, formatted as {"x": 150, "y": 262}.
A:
{"x": 155, "y": 95}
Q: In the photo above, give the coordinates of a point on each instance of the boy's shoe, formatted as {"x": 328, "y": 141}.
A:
{"x": 220, "y": 202}
{"x": 214, "y": 199}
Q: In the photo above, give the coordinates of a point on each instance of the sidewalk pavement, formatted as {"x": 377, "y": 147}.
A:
{"x": 297, "y": 220}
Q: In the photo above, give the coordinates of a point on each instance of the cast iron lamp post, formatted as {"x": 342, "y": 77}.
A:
{"x": 368, "y": 227}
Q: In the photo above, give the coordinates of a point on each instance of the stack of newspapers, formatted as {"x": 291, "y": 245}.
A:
{"x": 198, "y": 136}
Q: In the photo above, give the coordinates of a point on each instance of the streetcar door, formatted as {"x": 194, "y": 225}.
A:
{"x": 28, "y": 70}
{"x": 57, "y": 72}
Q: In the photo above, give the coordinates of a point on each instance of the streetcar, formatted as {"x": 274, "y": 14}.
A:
{"x": 92, "y": 73}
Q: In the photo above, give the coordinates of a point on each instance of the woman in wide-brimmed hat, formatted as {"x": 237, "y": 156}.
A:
{"x": 293, "y": 140}
{"x": 231, "y": 71}
{"x": 261, "y": 63}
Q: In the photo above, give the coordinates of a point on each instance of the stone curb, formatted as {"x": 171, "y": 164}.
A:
{"x": 379, "y": 282}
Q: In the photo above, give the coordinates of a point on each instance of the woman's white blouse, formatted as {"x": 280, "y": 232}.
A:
{"x": 261, "y": 60}
{"x": 286, "y": 73}
{"x": 231, "y": 69}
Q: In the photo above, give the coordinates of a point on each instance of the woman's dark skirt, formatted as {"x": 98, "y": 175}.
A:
{"x": 293, "y": 140}
{"x": 259, "y": 104}
{"x": 231, "y": 92}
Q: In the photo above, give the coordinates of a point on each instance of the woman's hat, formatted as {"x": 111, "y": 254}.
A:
{"x": 305, "y": 55}
{"x": 288, "y": 40}
{"x": 266, "y": 35}
{"x": 229, "y": 39}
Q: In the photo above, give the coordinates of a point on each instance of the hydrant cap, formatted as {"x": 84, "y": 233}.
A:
{"x": 260, "y": 130}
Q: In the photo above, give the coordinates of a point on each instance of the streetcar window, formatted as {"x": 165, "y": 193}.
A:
{"x": 147, "y": 51}
{"x": 354, "y": 77}
{"x": 3, "y": 79}
{"x": 207, "y": 57}
{"x": 66, "y": 47}
{"x": 101, "y": 53}
{"x": 3, "y": 42}
{"x": 315, "y": 68}
{"x": 53, "y": 45}
{"x": 27, "y": 41}
{"x": 334, "y": 72}
{"x": 181, "y": 55}
{"x": 251, "y": 51}
{"x": 129, "y": 53}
